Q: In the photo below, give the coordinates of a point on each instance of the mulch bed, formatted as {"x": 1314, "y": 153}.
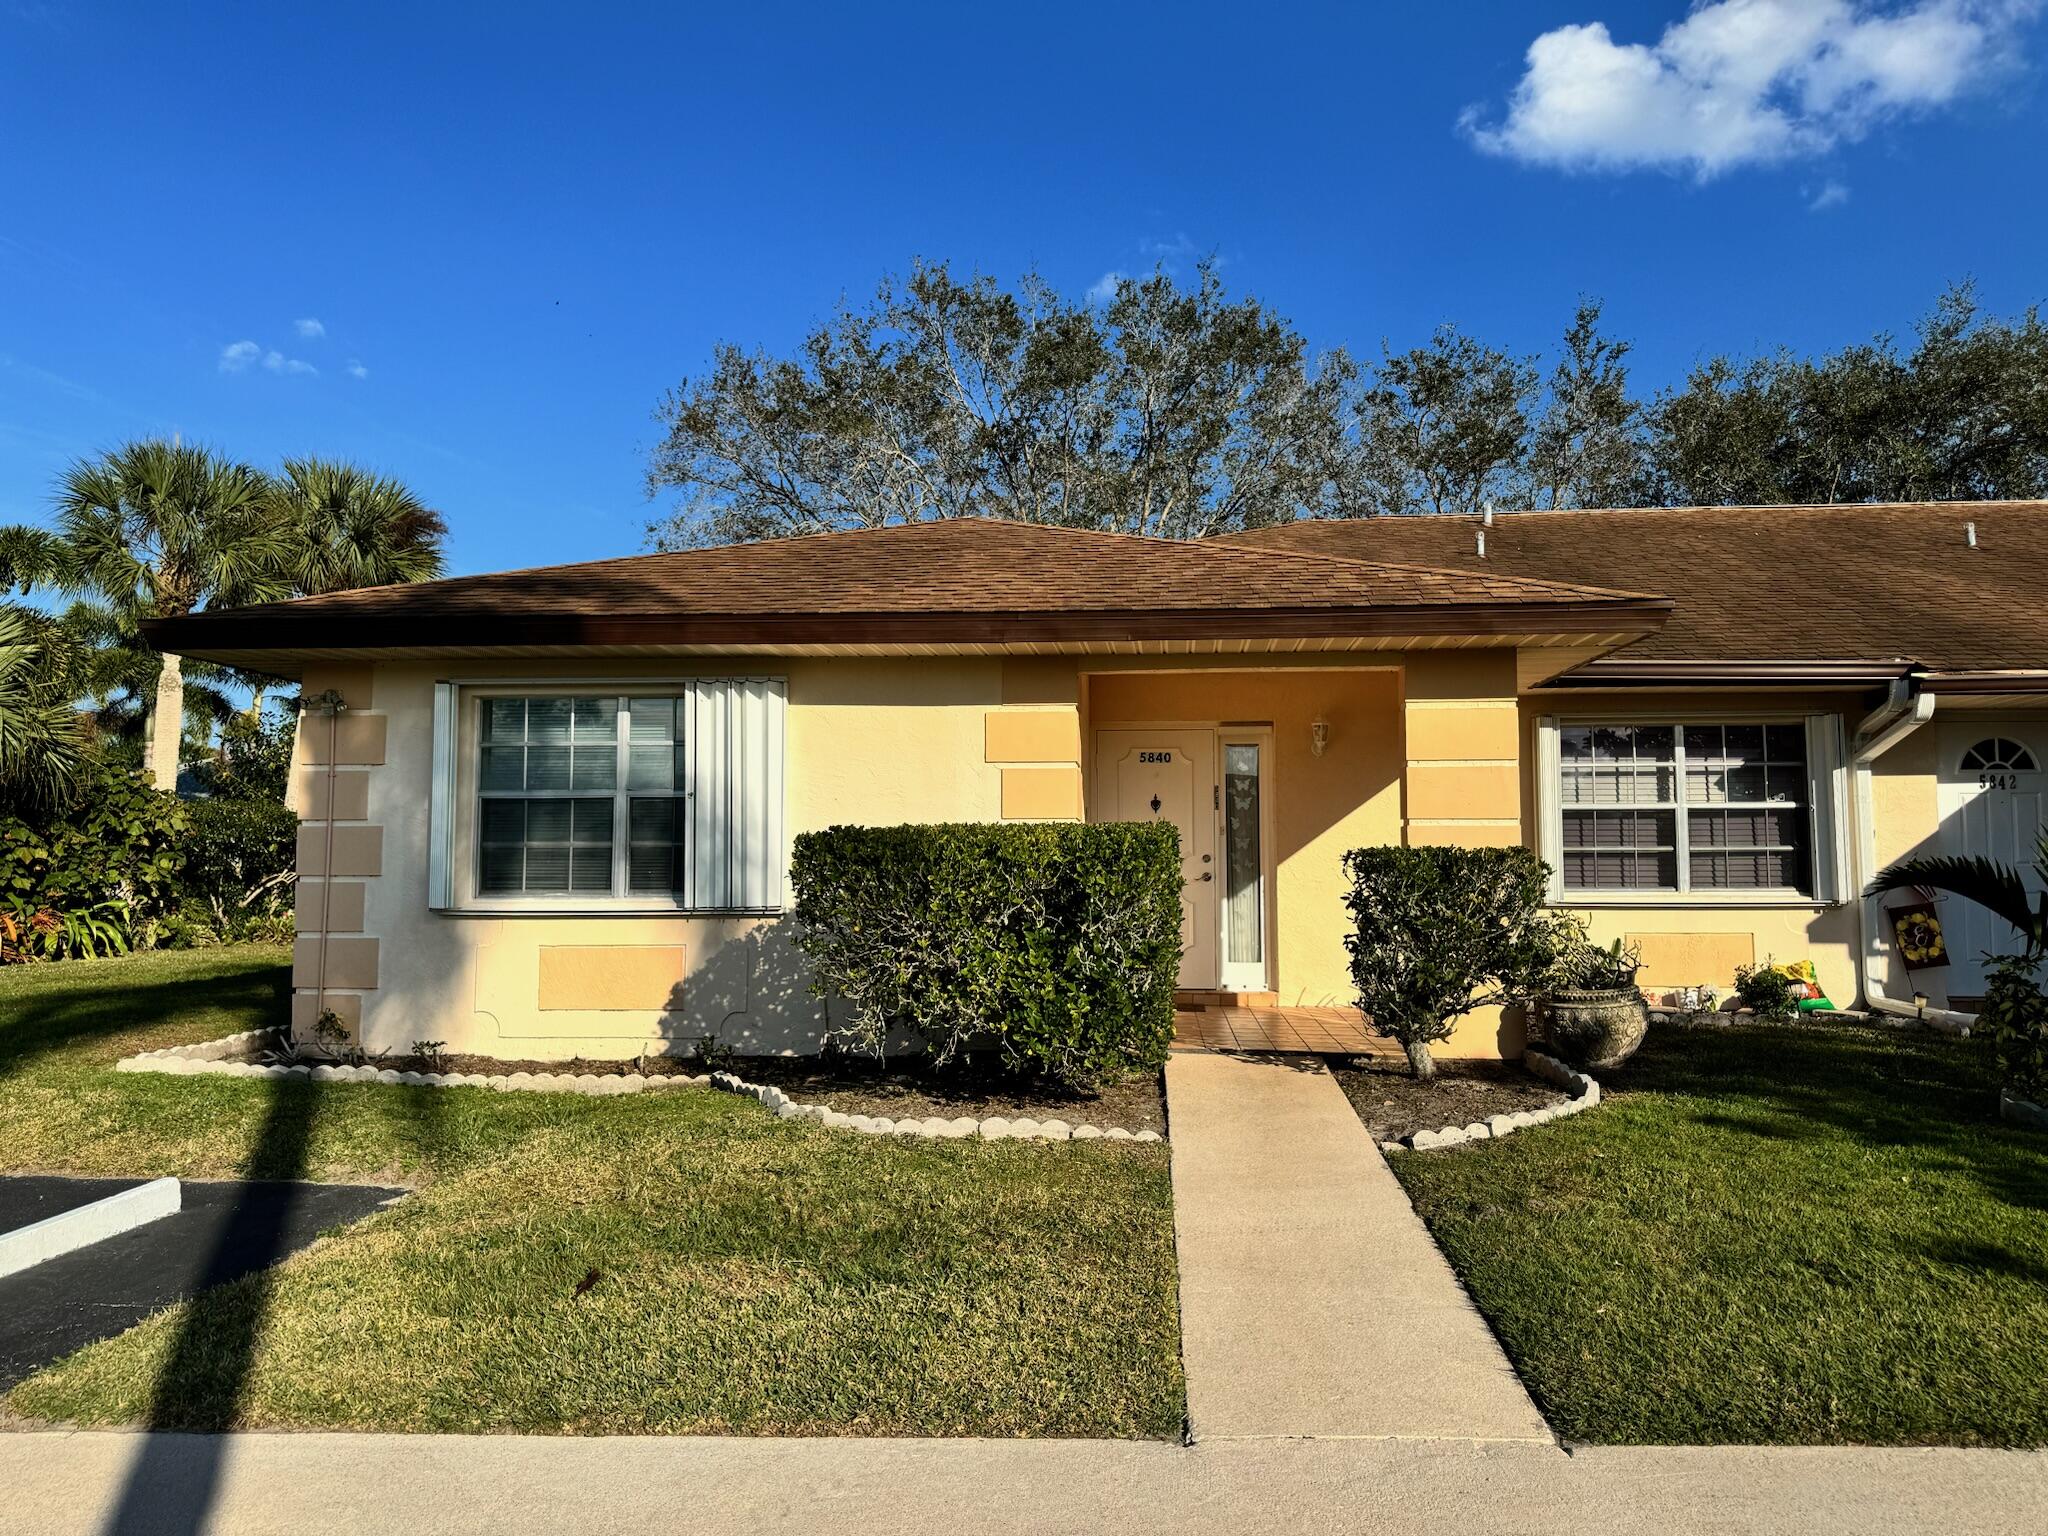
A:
{"x": 899, "y": 1089}
{"x": 903, "y": 1090}
{"x": 1393, "y": 1104}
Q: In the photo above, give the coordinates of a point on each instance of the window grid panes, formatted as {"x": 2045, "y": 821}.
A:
{"x": 581, "y": 796}
{"x": 1742, "y": 824}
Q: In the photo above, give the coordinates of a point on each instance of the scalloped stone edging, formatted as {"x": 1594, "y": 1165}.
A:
{"x": 995, "y": 1128}
{"x": 2018, "y": 1111}
{"x": 206, "y": 1059}
{"x": 1585, "y": 1093}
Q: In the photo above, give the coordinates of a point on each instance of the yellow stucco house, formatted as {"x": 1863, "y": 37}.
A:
{"x": 547, "y": 813}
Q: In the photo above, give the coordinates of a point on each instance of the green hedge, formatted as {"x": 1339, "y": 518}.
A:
{"x": 1055, "y": 947}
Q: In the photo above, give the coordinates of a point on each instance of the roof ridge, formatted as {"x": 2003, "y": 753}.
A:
{"x": 1535, "y": 582}
{"x": 2005, "y": 503}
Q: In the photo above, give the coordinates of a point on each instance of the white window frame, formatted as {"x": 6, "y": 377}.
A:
{"x": 1826, "y": 804}
{"x": 735, "y": 857}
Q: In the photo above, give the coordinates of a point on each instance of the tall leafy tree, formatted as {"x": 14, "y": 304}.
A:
{"x": 1963, "y": 415}
{"x": 156, "y": 529}
{"x": 1165, "y": 410}
{"x": 1587, "y": 447}
{"x": 1444, "y": 427}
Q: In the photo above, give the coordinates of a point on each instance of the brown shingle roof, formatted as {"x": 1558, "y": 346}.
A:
{"x": 970, "y": 579}
{"x": 1864, "y": 582}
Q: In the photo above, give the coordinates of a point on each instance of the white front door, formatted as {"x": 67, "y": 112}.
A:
{"x": 1991, "y": 801}
{"x": 1170, "y": 775}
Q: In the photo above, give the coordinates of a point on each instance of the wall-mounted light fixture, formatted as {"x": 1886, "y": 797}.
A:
{"x": 1318, "y": 736}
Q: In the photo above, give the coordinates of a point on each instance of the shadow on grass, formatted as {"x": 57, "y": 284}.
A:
{"x": 175, "y": 1478}
{"x": 79, "y": 1001}
{"x": 1887, "y": 1088}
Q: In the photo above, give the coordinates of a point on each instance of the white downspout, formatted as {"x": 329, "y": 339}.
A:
{"x": 1902, "y": 713}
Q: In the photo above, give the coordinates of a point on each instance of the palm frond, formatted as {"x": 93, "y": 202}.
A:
{"x": 1998, "y": 888}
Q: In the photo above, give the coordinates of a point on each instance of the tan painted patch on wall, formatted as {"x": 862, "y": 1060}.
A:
{"x": 357, "y": 739}
{"x": 351, "y": 794}
{"x": 358, "y": 851}
{"x": 1452, "y": 732}
{"x": 1042, "y": 794}
{"x": 1692, "y": 959}
{"x": 1445, "y": 792}
{"x": 351, "y": 963}
{"x": 339, "y": 902}
{"x": 609, "y": 977}
{"x": 1032, "y": 736}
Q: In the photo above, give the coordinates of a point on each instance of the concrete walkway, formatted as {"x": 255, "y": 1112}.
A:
{"x": 1313, "y": 1301}
{"x": 507, "y": 1485}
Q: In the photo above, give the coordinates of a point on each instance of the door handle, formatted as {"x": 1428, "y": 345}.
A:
{"x": 1205, "y": 875}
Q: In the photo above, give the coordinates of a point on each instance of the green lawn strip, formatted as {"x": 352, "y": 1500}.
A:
{"x": 756, "y": 1275}
{"x": 1807, "y": 1235}
{"x": 62, "y": 1027}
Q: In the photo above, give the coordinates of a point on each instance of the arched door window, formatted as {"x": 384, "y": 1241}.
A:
{"x": 1998, "y": 754}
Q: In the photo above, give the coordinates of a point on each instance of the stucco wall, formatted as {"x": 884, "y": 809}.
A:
{"x": 867, "y": 741}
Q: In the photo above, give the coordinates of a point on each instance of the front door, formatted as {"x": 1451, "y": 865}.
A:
{"x": 1991, "y": 795}
{"x": 1170, "y": 775}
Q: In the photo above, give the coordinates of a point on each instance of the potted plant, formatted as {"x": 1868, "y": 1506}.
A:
{"x": 1592, "y": 1014}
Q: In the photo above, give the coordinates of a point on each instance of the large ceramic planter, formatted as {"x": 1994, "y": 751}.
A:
{"x": 1596, "y": 1029}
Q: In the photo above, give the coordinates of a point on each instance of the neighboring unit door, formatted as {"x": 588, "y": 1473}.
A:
{"x": 1991, "y": 807}
{"x": 1170, "y": 775}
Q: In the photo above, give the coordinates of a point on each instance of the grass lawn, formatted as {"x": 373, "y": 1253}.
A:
{"x": 751, "y": 1275}
{"x": 1808, "y": 1234}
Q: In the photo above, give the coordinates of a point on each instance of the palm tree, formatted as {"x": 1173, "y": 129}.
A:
{"x": 158, "y": 529}
{"x": 42, "y": 736}
{"x": 1998, "y": 888}
{"x": 345, "y": 527}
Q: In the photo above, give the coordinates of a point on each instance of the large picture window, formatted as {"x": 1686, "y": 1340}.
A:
{"x": 1686, "y": 807}
{"x": 626, "y": 800}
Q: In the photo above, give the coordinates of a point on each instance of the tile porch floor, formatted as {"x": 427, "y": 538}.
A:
{"x": 1312, "y": 1031}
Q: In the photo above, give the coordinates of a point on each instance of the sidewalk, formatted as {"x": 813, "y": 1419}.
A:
{"x": 1313, "y": 1301}
{"x": 368, "y": 1485}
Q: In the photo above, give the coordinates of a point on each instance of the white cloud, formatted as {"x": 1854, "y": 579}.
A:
{"x": 237, "y": 355}
{"x": 311, "y": 330}
{"x": 1103, "y": 289}
{"x": 277, "y": 362}
{"x": 1832, "y": 194}
{"x": 356, "y": 370}
{"x": 1744, "y": 82}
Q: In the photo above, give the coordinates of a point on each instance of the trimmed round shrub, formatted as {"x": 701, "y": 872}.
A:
{"x": 1054, "y": 946}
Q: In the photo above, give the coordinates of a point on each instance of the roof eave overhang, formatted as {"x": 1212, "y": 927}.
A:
{"x": 1650, "y": 672}
{"x": 243, "y": 634}
{"x": 2003, "y": 680}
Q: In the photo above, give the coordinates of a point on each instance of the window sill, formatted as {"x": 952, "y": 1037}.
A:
{"x": 1698, "y": 900}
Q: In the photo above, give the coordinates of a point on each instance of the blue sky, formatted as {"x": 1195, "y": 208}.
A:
{"x": 515, "y": 226}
